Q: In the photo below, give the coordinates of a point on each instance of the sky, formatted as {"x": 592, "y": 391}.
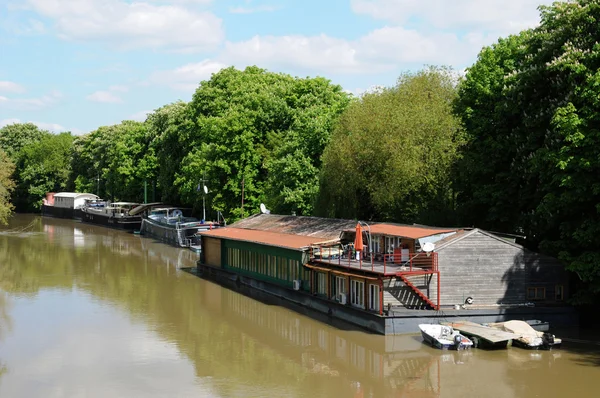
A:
{"x": 75, "y": 65}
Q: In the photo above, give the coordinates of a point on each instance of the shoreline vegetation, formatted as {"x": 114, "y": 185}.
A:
{"x": 512, "y": 146}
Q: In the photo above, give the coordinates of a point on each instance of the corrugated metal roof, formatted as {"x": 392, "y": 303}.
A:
{"x": 288, "y": 241}
{"x": 406, "y": 231}
{"x": 326, "y": 228}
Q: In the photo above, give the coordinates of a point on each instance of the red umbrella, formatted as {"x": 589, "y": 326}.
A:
{"x": 358, "y": 241}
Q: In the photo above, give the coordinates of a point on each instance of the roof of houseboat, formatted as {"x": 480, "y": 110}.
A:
{"x": 407, "y": 231}
{"x": 324, "y": 228}
{"x": 287, "y": 241}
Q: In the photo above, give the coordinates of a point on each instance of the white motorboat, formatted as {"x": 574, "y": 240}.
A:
{"x": 444, "y": 337}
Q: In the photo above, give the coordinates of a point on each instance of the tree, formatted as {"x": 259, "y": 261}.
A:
{"x": 14, "y": 139}
{"x": 391, "y": 155}
{"x": 533, "y": 154}
{"x": 114, "y": 161}
{"x": 6, "y": 187}
{"x": 261, "y": 132}
{"x": 45, "y": 166}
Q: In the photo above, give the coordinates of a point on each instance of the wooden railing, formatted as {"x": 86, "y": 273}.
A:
{"x": 345, "y": 257}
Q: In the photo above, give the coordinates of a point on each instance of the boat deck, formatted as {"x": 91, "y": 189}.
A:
{"x": 376, "y": 267}
{"x": 487, "y": 333}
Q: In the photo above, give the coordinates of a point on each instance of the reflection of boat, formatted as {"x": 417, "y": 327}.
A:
{"x": 170, "y": 225}
{"x": 444, "y": 337}
{"x": 484, "y": 336}
{"x": 115, "y": 214}
{"x": 528, "y": 337}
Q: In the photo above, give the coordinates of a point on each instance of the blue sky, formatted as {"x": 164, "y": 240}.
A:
{"x": 79, "y": 64}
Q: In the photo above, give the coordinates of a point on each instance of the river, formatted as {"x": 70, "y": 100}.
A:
{"x": 87, "y": 311}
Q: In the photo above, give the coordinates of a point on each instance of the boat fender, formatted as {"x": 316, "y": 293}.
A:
{"x": 469, "y": 300}
{"x": 475, "y": 341}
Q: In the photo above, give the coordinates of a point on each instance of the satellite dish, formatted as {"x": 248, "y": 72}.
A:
{"x": 205, "y": 189}
{"x": 428, "y": 247}
{"x": 263, "y": 209}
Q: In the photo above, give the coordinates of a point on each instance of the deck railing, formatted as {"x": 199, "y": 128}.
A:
{"x": 346, "y": 257}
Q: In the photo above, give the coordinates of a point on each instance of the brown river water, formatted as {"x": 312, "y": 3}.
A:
{"x": 87, "y": 311}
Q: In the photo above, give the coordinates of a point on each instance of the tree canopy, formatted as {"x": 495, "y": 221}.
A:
{"x": 391, "y": 156}
{"x": 531, "y": 109}
{"x": 6, "y": 187}
{"x": 262, "y": 132}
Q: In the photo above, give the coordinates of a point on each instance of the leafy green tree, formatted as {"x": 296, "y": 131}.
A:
{"x": 6, "y": 187}
{"x": 261, "y": 132}
{"x": 169, "y": 128}
{"x": 531, "y": 110}
{"x": 45, "y": 166}
{"x": 391, "y": 156}
{"x": 114, "y": 161}
{"x": 14, "y": 139}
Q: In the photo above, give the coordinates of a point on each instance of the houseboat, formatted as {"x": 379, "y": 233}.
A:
{"x": 65, "y": 204}
{"x": 387, "y": 278}
{"x": 116, "y": 214}
{"x": 171, "y": 225}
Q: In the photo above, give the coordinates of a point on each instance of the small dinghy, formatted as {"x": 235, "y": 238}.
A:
{"x": 528, "y": 337}
{"x": 444, "y": 337}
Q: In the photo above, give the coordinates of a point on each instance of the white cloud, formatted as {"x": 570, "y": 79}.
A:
{"x": 10, "y": 87}
{"x": 383, "y": 49}
{"x": 53, "y": 127}
{"x": 187, "y": 77}
{"x": 104, "y": 96}
{"x": 504, "y": 16}
{"x": 139, "y": 116}
{"x": 108, "y": 96}
{"x": 252, "y": 10}
{"x": 30, "y": 104}
{"x": 133, "y": 25}
{"x": 304, "y": 52}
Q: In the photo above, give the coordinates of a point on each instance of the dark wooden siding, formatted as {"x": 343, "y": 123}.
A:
{"x": 492, "y": 271}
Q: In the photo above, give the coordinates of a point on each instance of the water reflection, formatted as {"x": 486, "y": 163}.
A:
{"x": 120, "y": 318}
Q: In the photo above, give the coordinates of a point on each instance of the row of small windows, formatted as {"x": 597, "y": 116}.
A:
{"x": 539, "y": 293}
{"x": 275, "y": 267}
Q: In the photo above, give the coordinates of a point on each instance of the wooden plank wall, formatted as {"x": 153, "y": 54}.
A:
{"x": 212, "y": 251}
{"x": 494, "y": 272}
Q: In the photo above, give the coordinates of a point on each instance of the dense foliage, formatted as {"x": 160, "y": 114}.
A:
{"x": 6, "y": 187}
{"x": 41, "y": 162}
{"x": 531, "y": 108}
{"x": 391, "y": 156}
{"x": 261, "y": 132}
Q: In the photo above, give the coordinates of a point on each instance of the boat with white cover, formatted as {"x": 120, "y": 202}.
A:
{"x": 528, "y": 337}
{"x": 444, "y": 337}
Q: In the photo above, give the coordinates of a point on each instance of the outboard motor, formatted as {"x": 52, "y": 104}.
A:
{"x": 547, "y": 340}
{"x": 458, "y": 341}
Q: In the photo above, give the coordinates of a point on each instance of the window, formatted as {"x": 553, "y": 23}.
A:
{"x": 321, "y": 283}
{"x": 340, "y": 286}
{"x": 374, "y": 297}
{"x": 559, "y": 293}
{"x": 536, "y": 293}
{"x": 375, "y": 244}
{"x": 357, "y": 293}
